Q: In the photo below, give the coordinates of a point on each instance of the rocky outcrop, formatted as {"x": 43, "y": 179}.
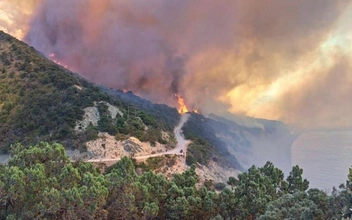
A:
{"x": 106, "y": 146}
{"x": 91, "y": 115}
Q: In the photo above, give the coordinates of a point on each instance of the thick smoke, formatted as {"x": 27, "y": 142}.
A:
{"x": 121, "y": 44}
{"x": 287, "y": 60}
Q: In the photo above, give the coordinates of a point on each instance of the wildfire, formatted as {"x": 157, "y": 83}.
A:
{"x": 183, "y": 108}
{"x": 52, "y": 57}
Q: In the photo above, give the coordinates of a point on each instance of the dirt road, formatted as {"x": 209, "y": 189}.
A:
{"x": 180, "y": 149}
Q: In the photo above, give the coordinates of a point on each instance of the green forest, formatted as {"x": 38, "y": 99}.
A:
{"x": 40, "y": 182}
{"x": 42, "y": 101}
{"x": 40, "y": 104}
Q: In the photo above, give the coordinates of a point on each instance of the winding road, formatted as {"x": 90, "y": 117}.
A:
{"x": 180, "y": 149}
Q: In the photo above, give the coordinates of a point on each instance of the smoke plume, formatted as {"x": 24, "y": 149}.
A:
{"x": 286, "y": 60}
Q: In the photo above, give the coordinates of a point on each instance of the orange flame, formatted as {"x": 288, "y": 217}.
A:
{"x": 183, "y": 108}
{"x": 52, "y": 57}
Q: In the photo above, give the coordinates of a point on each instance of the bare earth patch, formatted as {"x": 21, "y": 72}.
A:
{"x": 106, "y": 146}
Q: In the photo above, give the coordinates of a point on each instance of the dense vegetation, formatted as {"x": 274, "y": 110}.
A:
{"x": 168, "y": 116}
{"x": 205, "y": 144}
{"x": 42, "y": 101}
{"x": 40, "y": 182}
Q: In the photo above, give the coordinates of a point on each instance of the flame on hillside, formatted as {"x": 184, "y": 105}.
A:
{"x": 52, "y": 57}
{"x": 182, "y": 105}
{"x": 183, "y": 108}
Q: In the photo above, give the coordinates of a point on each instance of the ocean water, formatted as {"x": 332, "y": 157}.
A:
{"x": 325, "y": 157}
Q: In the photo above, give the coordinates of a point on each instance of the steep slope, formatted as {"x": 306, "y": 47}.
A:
{"x": 238, "y": 141}
{"x": 167, "y": 115}
{"x": 42, "y": 101}
{"x": 255, "y": 141}
{"x": 206, "y": 147}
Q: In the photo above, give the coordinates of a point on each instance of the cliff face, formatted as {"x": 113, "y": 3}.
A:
{"x": 255, "y": 141}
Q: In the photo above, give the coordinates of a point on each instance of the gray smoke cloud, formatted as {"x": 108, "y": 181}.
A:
{"x": 120, "y": 44}
{"x": 274, "y": 59}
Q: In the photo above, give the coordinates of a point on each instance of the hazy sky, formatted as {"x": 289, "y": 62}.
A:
{"x": 276, "y": 59}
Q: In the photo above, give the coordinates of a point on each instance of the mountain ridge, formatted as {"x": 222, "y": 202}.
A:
{"x": 42, "y": 101}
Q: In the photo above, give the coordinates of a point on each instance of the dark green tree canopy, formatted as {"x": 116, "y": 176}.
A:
{"x": 40, "y": 182}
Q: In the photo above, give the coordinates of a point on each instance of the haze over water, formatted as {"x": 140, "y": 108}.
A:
{"x": 325, "y": 157}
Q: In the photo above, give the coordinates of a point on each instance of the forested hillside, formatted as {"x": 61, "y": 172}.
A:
{"x": 42, "y": 101}
{"x": 40, "y": 182}
{"x": 205, "y": 144}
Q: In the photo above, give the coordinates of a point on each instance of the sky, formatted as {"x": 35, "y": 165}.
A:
{"x": 275, "y": 59}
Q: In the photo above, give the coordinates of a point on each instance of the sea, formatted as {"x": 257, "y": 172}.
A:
{"x": 325, "y": 157}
